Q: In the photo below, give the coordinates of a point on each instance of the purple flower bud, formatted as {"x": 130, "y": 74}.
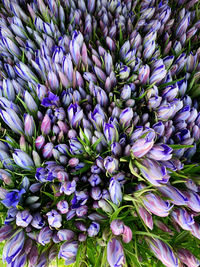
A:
{"x": 156, "y": 205}
{"x": 13, "y": 198}
{"x": 68, "y": 188}
{"x": 68, "y": 252}
{"x": 75, "y": 114}
{"x": 11, "y": 118}
{"x": 45, "y": 236}
{"x": 126, "y": 116}
{"x": 188, "y": 258}
{"x": 6, "y": 232}
{"x": 82, "y": 211}
{"x": 184, "y": 23}
{"x": 146, "y": 217}
{"x": 127, "y": 234}
{"x": 8, "y": 89}
{"x": 37, "y": 221}
{"x": 193, "y": 200}
{"x": 111, "y": 164}
{"x": 115, "y": 191}
{"x": 30, "y": 102}
{"x": 105, "y": 206}
{"x": 46, "y": 125}
{"x": 63, "y": 206}
{"x": 13, "y": 247}
{"x": 144, "y": 72}
{"x": 73, "y": 162}
{"x": 39, "y": 142}
{"x": 96, "y": 193}
{"x": 182, "y": 218}
{"x": 158, "y": 74}
{"x": 160, "y": 152}
{"x": 23, "y": 218}
{"x": 54, "y": 218}
{"x": 29, "y": 125}
{"x": 22, "y": 159}
{"x": 176, "y": 196}
{"x": 117, "y": 227}
{"x": 110, "y": 43}
{"x": 163, "y": 252}
{"x": 116, "y": 149}
{"x": 33, "y": 256}
{"x": 93, "y": 229}
{"x": 115, "y": 253}
{"x": 124, "y": 72}
{"x": 65, "y": 235}
{"x": 53, "y": 80}
{"x": 155, "y": 173}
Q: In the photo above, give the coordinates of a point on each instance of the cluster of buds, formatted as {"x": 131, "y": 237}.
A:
{"x": 95, "y": 97}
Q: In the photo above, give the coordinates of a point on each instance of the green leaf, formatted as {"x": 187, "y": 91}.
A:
{"x": 48, "y": 194}
{"x": 133, "y": 171}
{"x": 80, "y": 255}
{"x": 115, "y": 214}
{"x": 180, "y": 146}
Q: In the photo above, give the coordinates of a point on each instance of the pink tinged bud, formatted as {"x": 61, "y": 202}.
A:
{"x": 46, "y": 125}
{"x": 23, "y": 218}
{"x": 53, "y": 80}
{"x": 73, "y": 162}
{"x": 29, "y": 125}
{"x": 144, "y": 72}
{"x": 154, "y": 172}
{"x": 63, "y": 206}
{"x": 149, "y": 50}
{"x": 156, "y": 205}
{"x": 195, "y": 230}
{"x": 68, "y": 252}
{"x": 163, "y": 252}
{"x": 48, "y": 150}
{"x": 110, "y": 43}
{"x": 188, "y": 258}
{"x": 115, "y": 253}
{"x": 143, "y": 145}
{"x": 40, "y": 142}
{"x": 184, "y": 23}
{"x": 13, "y": 247}
{"x": 182, "y": 218}
{"x": 62, "y": 126}
{"x": 82, "y": 237}
{"x": 81, "y": 211}
{"x": 163, "y": 227}
{"x": 127, "y": 234}
{"x": 193, "y": 200}
{"x": 146, "y": 217}
{"x": 117, "y": 227}
{"x": 65, "y": 235}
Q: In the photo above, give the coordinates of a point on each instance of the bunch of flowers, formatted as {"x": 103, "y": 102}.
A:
{"x": 100, "y": 126}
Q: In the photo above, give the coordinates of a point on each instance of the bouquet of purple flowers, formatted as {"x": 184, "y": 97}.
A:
{"x": 99, "y": 132}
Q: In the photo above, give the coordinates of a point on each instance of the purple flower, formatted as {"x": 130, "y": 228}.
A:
{"x": 54, "y": 219}
{"x": 163, "y": 252}
{"x": 13, "y": 198}
{"x": 115, "y": 253}
{"x": 117, "y": 227}
{"x": 10, "y": 117}
{"x": 94, "y": 179}
{"x": 29, "y": 125}
{"x": 63, "y": 206}
{"x": 175, "y": 195}
{"x": 126, "y": 116}
{"x": 37, "y": 221}
{"x": 96, "y": 193}
{"x": 127, "y": 234}
{"x": 93, "y": 229}
{"x": 46, "y": 125}
{"x": 39, "y": 142}
{"x": 79, "y": 199}
{"x": 115, "y": 191}
{"x": 6, "y": 232}
{"x": 182, "y": 218}
{"x": 75, "y": 115}
{"x": 156, "y": 205}
{"x": 155, "y": 173}
{"x": 51, "y": 100}
{"x": 193, "y": 201}
{"x": 82, "y": 211}
{"x": 68, "y": 188}
{"x": 23, "y": 218}
{"x": 68, "y": 252}
{"x": 109, "y": 132}
{"x": 45, "y": 235}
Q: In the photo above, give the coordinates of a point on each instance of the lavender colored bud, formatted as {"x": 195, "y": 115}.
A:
{"x": 184, "y": 23}
{"x": 124, "y": 72}
{"x": 126, "y": 116}
{"x": 163, "y": 252}
{"x": 11, "y": 118}
{"x": 146, "y": 217}
{"x": 110, "y": 43}
{"x": 176, "y": 196}
{"x": 75, "y": 115}
{"x": 93, "y": 229}
{"x": 82, "y": 211}
{"x": 111, "y": 164}
{"x": 33, "y": 256}
{"x": 53, "y": 80}
{"x": 35, "y": 187}
{"x": 168, "y": 60}
{"x": 149, "y": 50}
{"x": 182, "y": 218}
{"x": 115, "y": 253}
{"x": 13, "y": 247}
{"x": 22, "y": 159}
{"x": 23, "y": 218}
{"x": 160, "y": 152}
{"x": 193, "y": 200}
{"x": 155, "y": 173}
{"x": 45, "y": 236}
{"x": 96, "y": 193}
{"x": 8, "y": 89}
{"x": 29, "y": 125}
{"x": 6, "y": 232}
{"x": 80, "y": 226}
{"x": 109, "y": 132}
{"x": 65, "y": 235}
{"x": 54, "y": 219}
{"x": 63, "y": 206}
{"x": 46, "y": 125}
{"x": 82, "y": 237}
{"x": 165, "y": 111}
{"x": 156, "y": 205}
{"x": 158, "y": 74}
{"x": 68, "y": 252}
{"x": 30, "y": 102}
{"x": 94, "y": 179}
{"x": 68, "y": 188}
{"x": 37, "y": 221}
{"x": 115, "y": 191}
{"x": 116, "y": 149}
{"x": 117, "y": 227}
{"x": 191, "y": 185}
{"x": 187, "y": 258}
{"x": 125, "y": 92}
